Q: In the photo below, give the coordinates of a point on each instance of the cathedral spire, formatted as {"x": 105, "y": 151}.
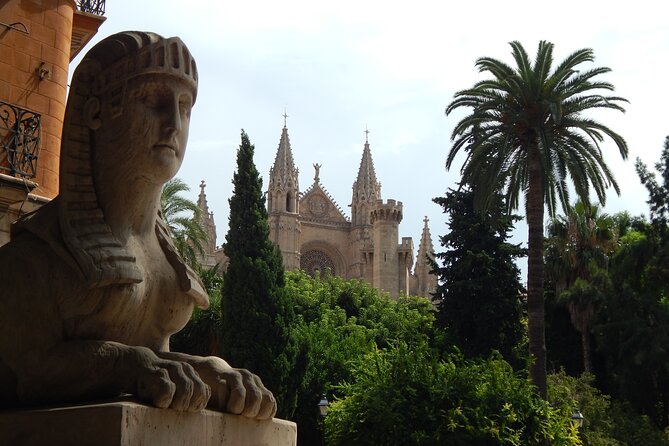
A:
{"x": 283, "y": 162}
{"x": 425, "y": 248}
{"x": 202, "y": 199}
{"x": 366, "y": 189}
{"x": 283, "y": 177}
{"x": 427, "y": 282}
{"x": 207, "y": 221}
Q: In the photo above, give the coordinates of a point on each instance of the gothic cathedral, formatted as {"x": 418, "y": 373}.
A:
{"x": 314, "y": 234}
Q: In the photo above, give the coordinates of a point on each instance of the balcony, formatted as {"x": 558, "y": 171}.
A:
{"x": 96, "y": 7}
{"x": 88, "y": 16}
{"x": 20, "y": 131}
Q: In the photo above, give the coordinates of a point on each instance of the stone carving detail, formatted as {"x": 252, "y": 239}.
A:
{"x": 318, "y": 205}
{"x": 107, "y": 288}
{"x": 316, "y": 260}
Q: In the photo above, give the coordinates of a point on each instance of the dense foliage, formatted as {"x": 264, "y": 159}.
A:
{"x": 341, "y": 321}
{"x": 479, "y": 291}
{"x": 608, "y": 421}
{"x": 578, "y": 248}
{"x": 408, "y": 396}
{"x": 620, "y": 293}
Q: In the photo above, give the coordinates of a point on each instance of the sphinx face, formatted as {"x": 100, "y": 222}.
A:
{"x": 147, "y": 140}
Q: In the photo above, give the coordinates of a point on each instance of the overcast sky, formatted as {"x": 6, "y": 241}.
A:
{"x": 339, "y": 67}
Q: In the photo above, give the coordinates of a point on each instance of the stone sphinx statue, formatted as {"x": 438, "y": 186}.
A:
{"x": 92, "y": 286}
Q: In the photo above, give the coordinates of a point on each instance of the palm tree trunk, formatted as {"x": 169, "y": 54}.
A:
{"x": 535, "y": 271}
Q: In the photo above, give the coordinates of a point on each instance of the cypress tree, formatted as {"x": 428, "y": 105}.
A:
{"x": 255, "y": 315}
{"x": 479, "y": 291}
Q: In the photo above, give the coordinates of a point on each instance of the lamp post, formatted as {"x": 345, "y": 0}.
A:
{"x": 577, "y": 418}
{"x": 323, "y": 408}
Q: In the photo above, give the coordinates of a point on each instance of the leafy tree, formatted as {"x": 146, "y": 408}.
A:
{"x": 479, "y": 291}
{"x": 582, "y": 237}
{"x": 407, "y": 396}
{"x": 577, "y": 255}
{"x": 633, "y": 334}
{"x": 632, "y": 329}
{"x": 182, "y": 217}
{"x": 527, "y": 135}
{"x": 256, "y": 316}
{"x": 339, "y": 321}
{"x": 658, "y": 193}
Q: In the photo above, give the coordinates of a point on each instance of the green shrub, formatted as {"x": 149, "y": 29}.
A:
{"x": 406, "y": 396}
{"x": 607, "y": 422}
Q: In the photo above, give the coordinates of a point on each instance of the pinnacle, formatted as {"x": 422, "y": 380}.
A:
{"x": 366, "y": 184}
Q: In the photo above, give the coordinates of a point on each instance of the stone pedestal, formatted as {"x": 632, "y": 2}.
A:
{"x": 128, "y": 423}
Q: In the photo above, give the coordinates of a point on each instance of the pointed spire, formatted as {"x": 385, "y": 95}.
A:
{"x": 284, "y": 166}
{"x": 427, "y": 282}
{"x": 207, "y": 220}
{"x": 283, "y": 187}
{"x": 366, "y": 185}
{"x": 366, "y": 190}
{"x": 425, "y": 248}
{"x": 202, "y": 199}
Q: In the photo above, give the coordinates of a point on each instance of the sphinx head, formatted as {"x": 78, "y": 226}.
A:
{"x": 127, "y": 118}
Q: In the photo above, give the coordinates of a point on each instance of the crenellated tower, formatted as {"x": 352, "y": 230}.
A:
{"x": 426, "y": 283}
{"x": 283, "y": 202}
{"x": 385, "y": 218}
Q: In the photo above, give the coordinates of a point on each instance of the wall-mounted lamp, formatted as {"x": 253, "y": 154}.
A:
{"x": 43, "y": 72}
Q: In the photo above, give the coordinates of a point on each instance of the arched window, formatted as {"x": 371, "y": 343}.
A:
{"x": 316, "y": 260}
{"x": 289, "y": 202}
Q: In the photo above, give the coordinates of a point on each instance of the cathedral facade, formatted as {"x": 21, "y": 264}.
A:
{"x": 314, "y": 234}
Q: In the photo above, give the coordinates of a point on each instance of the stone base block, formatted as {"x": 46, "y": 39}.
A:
{"x": 127, "y": 423}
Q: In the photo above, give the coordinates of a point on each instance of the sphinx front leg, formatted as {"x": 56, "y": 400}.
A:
{"x": 82, "y": 370}
{"x": 236, "y": 391}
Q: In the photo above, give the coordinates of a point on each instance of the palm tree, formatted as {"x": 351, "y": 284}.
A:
{"x": 527, "y": 134}
{"x": 577, "y": 255}
{"x": 183, "y": 218}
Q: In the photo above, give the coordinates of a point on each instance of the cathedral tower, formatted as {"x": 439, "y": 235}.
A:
{"x": 283, "y": 203}
{"x": 385, "y": 219}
